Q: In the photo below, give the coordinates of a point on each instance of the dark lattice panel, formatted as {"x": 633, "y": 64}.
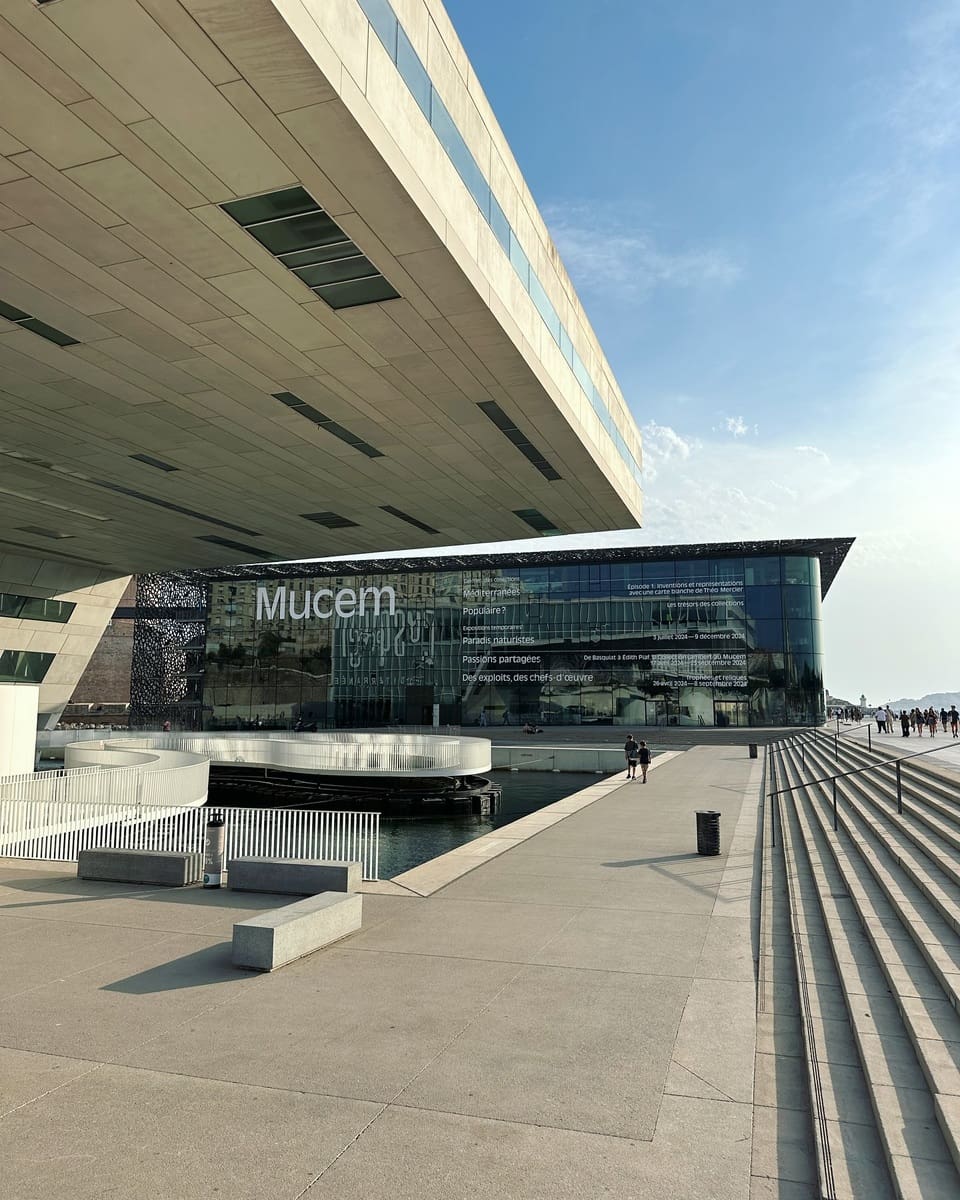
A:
{"x": 166, "y": 681}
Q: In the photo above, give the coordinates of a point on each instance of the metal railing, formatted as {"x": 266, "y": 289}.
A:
{"x": 103, "y": 774}
{"x": 57, "y": 830}
{"x": 832, "y": 779}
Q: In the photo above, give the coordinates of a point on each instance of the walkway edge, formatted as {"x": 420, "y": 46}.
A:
{"x": 431, "y": 876}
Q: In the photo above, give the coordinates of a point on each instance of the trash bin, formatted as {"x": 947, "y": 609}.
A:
{"x": 753, "y": 749}
{"x": 708, "y": 832}
{"x": 213, "y": 851}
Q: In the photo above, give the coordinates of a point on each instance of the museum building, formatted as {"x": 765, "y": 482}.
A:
{"x": 727, "y": 634}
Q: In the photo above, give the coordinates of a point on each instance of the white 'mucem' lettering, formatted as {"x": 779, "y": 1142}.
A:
{"x": 346, "y": 603}
{"x": 267, "y": 610}
{"x": 377, "y": 594}
{"x": 322, "y": 594}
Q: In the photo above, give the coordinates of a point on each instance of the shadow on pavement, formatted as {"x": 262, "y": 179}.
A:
{"x": 203, "y": 967}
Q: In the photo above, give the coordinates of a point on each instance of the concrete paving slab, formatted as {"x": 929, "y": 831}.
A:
{"x": 701, "y": 1149}
{"x": 147, "y": 911}
{"x": 762, "y": 1188}
{"x": 26, "y": 1076}
{"x": 783, "y": 1145}
{"x": 60, "y": 951}
{"x": 727, "y": 951}
{"x": 118, "y": 1002}
{"x": 118, "y": 1132}
{"x": 448, "y": 926}
{"x": 651, "y": 891}
{"x": 647, "y": 943}
{"x": 781, "y": 1082}
{"x": 716, "y": 1037}
{"x": 584, "y": 1050}
{"x": 779, "y": 1033}
{"x": 355, "y": 1024}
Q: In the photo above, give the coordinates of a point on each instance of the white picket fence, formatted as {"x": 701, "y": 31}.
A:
{"x": 58, "y": 830}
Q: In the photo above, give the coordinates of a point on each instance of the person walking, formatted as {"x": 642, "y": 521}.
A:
{"x": 880, "y": 716}
{"x": 932, "y": 721}
{"x": 891, "y": 719}
{"x": 644, "y": 756}
{"x": 943, "y": 719}
{"x": 631, "y": 752}
{"x": 954, "y": 720}
{"x": 905, "y": 722}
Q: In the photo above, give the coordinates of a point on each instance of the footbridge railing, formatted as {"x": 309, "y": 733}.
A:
{"x": 57, "y": 831}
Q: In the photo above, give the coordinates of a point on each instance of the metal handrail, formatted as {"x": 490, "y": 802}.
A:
{"x": 895, "y": 763}
{"x": 867, "y": 725}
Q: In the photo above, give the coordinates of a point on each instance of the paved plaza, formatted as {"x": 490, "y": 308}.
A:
{"x": 575, "y": 1017}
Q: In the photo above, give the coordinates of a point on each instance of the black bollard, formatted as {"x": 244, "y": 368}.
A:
{"x": 753, "y": 749}
{"x": 213, "y": 851}
{"x": 708, "y": 832}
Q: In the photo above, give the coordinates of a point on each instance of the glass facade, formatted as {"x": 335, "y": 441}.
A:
{"x": 724, "y": 641}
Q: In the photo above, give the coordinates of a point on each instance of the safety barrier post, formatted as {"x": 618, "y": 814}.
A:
{"x": 835, "y": 802}
{"x": 899, "y": 788}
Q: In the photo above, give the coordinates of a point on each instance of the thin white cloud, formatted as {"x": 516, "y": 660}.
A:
{"x": 661, "y": 445}
{"x": 926, "y": 110}
{"x": 603, "y": 250}
{"x": 814, "y": 451}
{"x": 737, "y": 426}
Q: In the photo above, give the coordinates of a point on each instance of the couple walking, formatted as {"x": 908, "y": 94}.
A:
{"x": 636, "y": 752}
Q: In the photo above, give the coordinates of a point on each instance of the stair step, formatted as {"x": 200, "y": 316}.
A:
{"x": 928, "y": 869}
{"x": 907, "y": 1074}
{"x": 948, "y": 1116}
{"x": 923, "y": 799}
{"x": 908, "y": 915}
{"x": 850, "y": 1159}
{"x": 918, "y": 767}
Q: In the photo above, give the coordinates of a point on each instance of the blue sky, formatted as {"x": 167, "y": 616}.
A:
{"x": 760, "y": 207}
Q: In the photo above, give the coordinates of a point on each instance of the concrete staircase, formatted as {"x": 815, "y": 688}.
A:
{"x": 874, "y": 918}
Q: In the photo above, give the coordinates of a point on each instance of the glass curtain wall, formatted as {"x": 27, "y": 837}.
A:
{"x": 710, "y": 641}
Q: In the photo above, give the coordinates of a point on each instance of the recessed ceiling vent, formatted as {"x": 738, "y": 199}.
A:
{"x": 536, "y": 520}
{"x": 309, "y": 242}
{"x": 402, "y": 516}
{"x": 508, "y": 428}
{"x": 316, "y": 417}
{"x": 41, "y": 328}
{"x": 330, "y": 520}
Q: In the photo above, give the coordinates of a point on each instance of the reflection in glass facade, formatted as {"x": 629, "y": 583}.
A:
{"x": 719, "y": 641}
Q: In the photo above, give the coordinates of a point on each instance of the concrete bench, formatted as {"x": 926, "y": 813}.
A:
{"x": 164, "y": 867}
{"x": 275, "y": 938}
{"x": 292, "y": 876}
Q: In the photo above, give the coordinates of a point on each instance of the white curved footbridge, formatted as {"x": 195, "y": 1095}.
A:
{"x": 340, "y": 753}
{"x": 146, "y": 791}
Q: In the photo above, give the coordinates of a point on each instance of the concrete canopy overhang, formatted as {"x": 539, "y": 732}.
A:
{"x": 156, "y": 441}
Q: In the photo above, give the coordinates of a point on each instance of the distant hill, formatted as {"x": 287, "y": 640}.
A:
{"x": 935, "y": 700}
